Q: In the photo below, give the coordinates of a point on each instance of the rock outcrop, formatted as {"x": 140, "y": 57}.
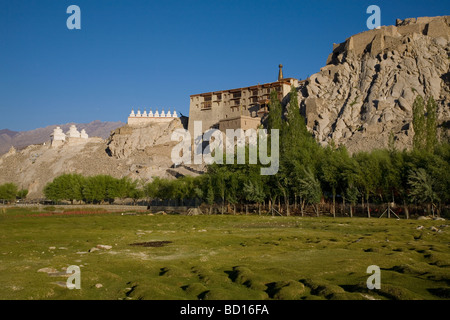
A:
{"x": 368, "y": 86}
{"x": 128, "y": 139}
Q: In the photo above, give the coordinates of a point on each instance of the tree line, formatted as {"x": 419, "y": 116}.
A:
{"x": 95, "y": 189}
{"x": 308, "y": 175}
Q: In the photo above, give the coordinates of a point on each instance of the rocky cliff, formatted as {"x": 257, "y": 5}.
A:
{"x": 129, "y": 140}
{"x": 368, "y": 86}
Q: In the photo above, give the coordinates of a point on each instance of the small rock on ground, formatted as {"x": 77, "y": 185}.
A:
{"x": 103, "y": 246}
{"x": 48, "y": 270}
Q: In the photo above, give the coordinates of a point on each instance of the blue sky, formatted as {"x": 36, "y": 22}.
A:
{"x": 154, "y": 54}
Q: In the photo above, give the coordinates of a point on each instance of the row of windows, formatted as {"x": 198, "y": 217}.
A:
{"x": 208, "y": 105}
{"x": 237, "y": 95}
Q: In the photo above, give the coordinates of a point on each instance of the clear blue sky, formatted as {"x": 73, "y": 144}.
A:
{"x": 138, "y": 53}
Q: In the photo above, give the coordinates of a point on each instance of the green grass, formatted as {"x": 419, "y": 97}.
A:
{"x": 222, "y": 257}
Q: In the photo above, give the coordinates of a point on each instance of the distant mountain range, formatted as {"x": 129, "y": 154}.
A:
{"x": 22, "y": 139}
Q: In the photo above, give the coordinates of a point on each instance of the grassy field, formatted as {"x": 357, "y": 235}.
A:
{"x": 220, "y": 257}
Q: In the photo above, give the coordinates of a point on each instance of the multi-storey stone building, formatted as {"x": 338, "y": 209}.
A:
{"x": 236, "y": 108}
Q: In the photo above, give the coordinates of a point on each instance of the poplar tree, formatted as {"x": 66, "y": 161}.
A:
{"x": 210, "y": 195}
{"x": 296, "y": 128}
{"x": 275, "y": 112}
{"x": 431, "y": 128}
{"x": 310, "y": 189}
{"x": 419, "y": 125}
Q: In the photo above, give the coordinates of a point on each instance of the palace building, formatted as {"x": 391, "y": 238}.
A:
{"x": 236, "y": 108}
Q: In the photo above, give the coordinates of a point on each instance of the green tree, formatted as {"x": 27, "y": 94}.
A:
{"x": 92, "y": 190}
{"x": 329, "y": 171}
{"x": 369, "y": 175}
{"x": 419, "y": 139}
{"x": 431, "y": 125}
{"x": 335, "y": 169}
{"x": 99, "y": 188}
{"x": 186, "y": 188}
{"x": 401, "y": 185}
{"x": 439, "y": 169}
{"x": 220, "y": 187}
{"x": 310, "y": 189}
{"x": 233, "y": 190}
{"x": 65, "y": 187}
{"x": 254, "y": 192}
{"x": 296, "y": 126}
{"x": 209, "y": 195}
{"x": 22, "y": 194}
{"x": 8, "y": 191}
{"x": 198, "y": 194}
{"x": 423, "y": 188}
{"x": 136, "y": 194}
{"x": 151, "y": 189}
{"x": 348, "y": 177}
{"x": 275, "y": 112}
{"x": 352, "y": 196}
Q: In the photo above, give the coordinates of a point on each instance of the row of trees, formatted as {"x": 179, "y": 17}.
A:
{"x": 308, "y": 173}
{"x": 10, "y": 192}
{"x": 95, "y": 189}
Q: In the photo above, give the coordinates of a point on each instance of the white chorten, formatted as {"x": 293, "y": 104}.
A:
{"x": 150, "y": 114}
{"x": 156, "y": 114}
{"x": 132, "y": 113}
{"x": 58, "y": 134}
{"x": 73, "y": 132}
{"x": 168, "y": 115}
{"x": 83, "y": 134}
{"x": 145, "y": 113}
{"x": 162, "y": 114}
{"x": 174, "y": 114}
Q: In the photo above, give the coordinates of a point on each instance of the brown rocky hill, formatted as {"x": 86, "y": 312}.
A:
{"x": 22, "y": 139}
{"x": 140, "y": 153}
{"x": 368, "y": 86}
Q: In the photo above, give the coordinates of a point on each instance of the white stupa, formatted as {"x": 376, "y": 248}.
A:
{"x": 83, "y": 134}
{"x": 58, "y": 134}
{"x": 73, "y": 132}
